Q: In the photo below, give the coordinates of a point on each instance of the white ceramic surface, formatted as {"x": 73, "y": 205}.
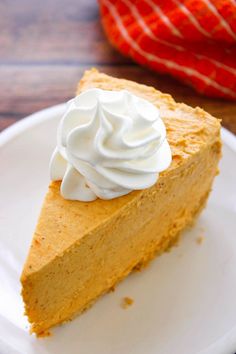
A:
{"x": 184, "y": 302}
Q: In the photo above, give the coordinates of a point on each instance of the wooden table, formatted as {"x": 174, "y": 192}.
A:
{"x": 46, "y": 45}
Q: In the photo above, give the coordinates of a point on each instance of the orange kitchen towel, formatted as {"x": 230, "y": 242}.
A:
{"x": 193, "y": 40}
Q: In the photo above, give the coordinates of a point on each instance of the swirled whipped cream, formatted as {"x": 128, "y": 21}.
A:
{"x": 109, "y": 143}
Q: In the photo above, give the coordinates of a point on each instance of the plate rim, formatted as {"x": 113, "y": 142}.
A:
{"x": 228, "y": 339}
{"x": 30, "y": 121}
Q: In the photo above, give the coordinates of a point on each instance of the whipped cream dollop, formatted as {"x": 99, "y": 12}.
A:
{"x": 109, "y": 143}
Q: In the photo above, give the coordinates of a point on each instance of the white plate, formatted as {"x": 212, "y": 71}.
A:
{"x": 184, "y": 302}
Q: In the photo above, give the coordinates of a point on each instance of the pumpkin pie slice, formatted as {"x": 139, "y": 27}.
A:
{"x": 81, "y": 250}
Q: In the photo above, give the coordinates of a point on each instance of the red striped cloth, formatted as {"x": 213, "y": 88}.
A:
{"x": 193, "y": 40}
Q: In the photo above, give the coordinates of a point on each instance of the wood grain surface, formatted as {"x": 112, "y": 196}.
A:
{"x": 45, "y": 46}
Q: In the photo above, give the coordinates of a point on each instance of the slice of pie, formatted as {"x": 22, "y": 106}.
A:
{"x": 80, "y": 250}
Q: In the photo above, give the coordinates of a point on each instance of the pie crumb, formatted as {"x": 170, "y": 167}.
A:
{"x": 200, "y": 239}
{"x": 44, "y": 334}
{"x": 112, "y": 289}
{"x": 126, "y": 302}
